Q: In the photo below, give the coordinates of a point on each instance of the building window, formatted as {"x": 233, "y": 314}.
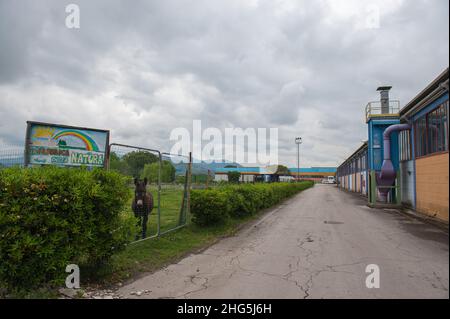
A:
{"x": 405, "y": 145}
{"x": 431, "y": 131}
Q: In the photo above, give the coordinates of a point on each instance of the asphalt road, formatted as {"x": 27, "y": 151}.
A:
{"x": 316, "y": 245}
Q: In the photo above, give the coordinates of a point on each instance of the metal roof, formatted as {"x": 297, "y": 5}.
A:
{"x": 314, "y": 170}
{"x": 360, "y": 149}
{"x": 425, "y": 92}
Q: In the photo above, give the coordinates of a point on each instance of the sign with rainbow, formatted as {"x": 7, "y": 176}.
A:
{"x": 51, "y": 144}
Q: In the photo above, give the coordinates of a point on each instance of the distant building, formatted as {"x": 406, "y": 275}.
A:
{"x": 316, "y": 174}
{"x": 247, "y": 173}
{"x": 267, "y": 174}
{"x": 353, "y": 173}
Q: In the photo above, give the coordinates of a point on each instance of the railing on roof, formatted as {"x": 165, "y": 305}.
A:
{"x": 374, "y": 109}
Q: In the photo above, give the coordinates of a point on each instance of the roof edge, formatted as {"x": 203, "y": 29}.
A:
{"x": 426, "y": 91}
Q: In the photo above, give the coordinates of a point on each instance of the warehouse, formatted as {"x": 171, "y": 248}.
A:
{"x": 316, "y": 174}
{"x": 267, "y": 174}
{"x": 424, "y": 150}
{"x": 405, "y": 161}
{"x": 248, "y": 174}
{"x": 352, "y": 175}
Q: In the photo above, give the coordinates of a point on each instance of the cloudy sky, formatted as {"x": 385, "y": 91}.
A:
{"x": 143, "y": 68}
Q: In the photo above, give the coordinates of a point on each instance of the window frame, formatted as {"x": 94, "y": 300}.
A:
{"x": 424, "y": 146}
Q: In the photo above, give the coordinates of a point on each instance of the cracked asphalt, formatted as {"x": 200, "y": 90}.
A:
{"x": 315, "y": 245}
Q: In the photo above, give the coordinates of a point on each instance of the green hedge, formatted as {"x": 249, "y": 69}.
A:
{"x": 215, "y": 206}
{"x": 51, "y": 217}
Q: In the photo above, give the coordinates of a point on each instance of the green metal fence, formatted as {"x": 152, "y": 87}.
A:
{"x": 171, "y": 198}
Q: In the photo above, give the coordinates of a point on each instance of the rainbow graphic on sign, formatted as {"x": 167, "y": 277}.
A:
{"x": 86, "y": 139}
{"x": 50, "y": 144}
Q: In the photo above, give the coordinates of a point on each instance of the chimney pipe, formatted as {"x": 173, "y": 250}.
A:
{"x": 384, "y": 98}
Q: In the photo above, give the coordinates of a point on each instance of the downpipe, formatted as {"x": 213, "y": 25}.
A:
{"x": 387, "y": 175}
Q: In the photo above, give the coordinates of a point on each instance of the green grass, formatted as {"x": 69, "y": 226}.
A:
{"x": 41, "y": 293}
{"x": 155, "y": 253}
{"x": 171, "y": 199}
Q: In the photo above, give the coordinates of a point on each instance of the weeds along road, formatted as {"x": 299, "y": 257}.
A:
{"x": 315, "y": 245}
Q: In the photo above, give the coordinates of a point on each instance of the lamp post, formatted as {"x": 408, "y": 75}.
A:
{"x": 298, "y": 141}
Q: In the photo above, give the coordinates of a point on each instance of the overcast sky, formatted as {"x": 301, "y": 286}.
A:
{"x": 143, "y": 68}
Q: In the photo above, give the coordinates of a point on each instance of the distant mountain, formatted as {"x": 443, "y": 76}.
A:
{"x": 200, "y": 168}
{"x": 11, "y": 160}
{"x": 7, "y": 160}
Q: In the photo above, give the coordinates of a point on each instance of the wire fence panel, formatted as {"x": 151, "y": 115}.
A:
{"x": 175, "y": 177}
{"x": 166, "y": 182}
{"x": 131, "y": 161}
{"x": 11, "y": 155}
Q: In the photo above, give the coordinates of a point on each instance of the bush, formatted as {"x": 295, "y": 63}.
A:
{"x": 51, "y": 217}
{"x": 214, "y": 206}
{"x": 233, "y": 177}
{"x": 246, "y": 200}
{"x": 210, "y": 207}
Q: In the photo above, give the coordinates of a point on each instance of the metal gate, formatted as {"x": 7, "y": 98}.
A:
{"x": 171, "y": 193}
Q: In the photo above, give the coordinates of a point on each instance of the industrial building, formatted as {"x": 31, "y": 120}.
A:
{"x": 404, "y": 162}
{"x": 248, "y": 174}
{"x": 316, "y": 174}
{"x": 267, "y": 174}
{"x": 353, "y": 174}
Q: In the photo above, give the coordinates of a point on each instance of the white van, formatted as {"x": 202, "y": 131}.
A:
{"x": 331, "y": 180}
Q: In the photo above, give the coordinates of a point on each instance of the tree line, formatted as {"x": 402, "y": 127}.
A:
{"x": 140, "y": 164}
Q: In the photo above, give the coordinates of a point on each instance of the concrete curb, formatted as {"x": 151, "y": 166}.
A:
{"x": 424, "y": 218}
{"x": 404, "y": 211}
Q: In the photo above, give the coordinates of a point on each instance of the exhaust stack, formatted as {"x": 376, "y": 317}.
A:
{"x": 384, "y": 98}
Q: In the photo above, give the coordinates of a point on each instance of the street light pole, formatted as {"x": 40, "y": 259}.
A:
{"x": 298, "y": 141}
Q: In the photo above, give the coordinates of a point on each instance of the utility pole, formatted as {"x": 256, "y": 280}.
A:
{"x": 298, "y": 141}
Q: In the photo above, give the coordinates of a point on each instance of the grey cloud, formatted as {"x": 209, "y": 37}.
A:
{"x": 142, "y": 68}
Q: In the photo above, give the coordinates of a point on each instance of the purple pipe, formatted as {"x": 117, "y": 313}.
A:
{"x": 387, "y": 175}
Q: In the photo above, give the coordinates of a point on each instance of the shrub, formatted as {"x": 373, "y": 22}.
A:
{"x": 233, "y": 177}
{"x": 51, "y": 217}
{"x": 213, "y": 206}
{"x": 236, "y": 202}
{"x": 246, "y": 198}
{"x": 209, "y": 206}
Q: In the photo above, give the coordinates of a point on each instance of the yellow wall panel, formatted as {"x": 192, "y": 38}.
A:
{"x": 432, "y": 185}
